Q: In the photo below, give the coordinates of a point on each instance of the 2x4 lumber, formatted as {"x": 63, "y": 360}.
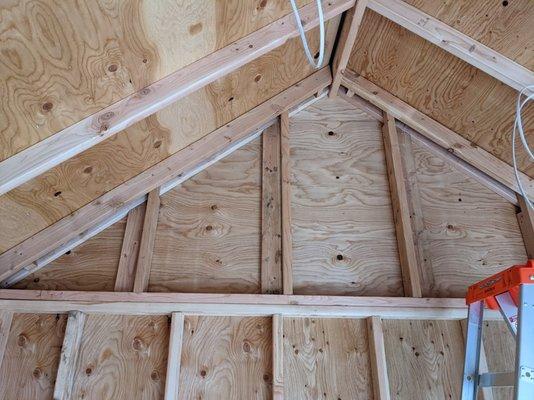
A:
{"x": 401, "y": 208}
{"x": 148, "y": 237}
{"x": 349, "y": 31}
{"x": 278, "y": 357}
{"x": 6, "y": 318}
{"x": 438, "y": 133}
{"x": 449, "y": 39}
{"x": 377, "y": 355}
{"x": 525, "y": 218}
{"x": 174, "y": 359}
{"x": 285, "y": 177}
{"x": 124, "y": 282}
{"x": 203, "y": 151}
{"x": 69, "y": 356}
{"x": 271, "y": 229}
{"x": 100, "y": 126}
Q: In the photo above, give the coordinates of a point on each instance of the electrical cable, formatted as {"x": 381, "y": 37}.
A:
{"x": 303, "y": 35}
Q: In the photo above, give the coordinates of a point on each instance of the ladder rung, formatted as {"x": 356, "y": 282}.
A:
{"x": 492, "y": 379}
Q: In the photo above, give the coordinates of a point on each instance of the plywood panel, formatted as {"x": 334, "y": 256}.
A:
{"x": 32, "y": 356}
{"x": 459, "y": 96}
{"x": 91, "y": 266}
{"x": 226, "y": 358}
{"x": 504, "y": 26}
{"x": 425, "y": 359}
{"x": 326, "y": 359}
{"x": 469, "y": 232}
{"x": 343, "y": 233}
{"x": 60, "y": 191}
{"x": 122, "y": 357}
{"x": 209, "y": 229}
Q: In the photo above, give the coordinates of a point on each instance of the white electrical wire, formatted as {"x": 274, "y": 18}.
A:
{"x": 518, "y": 127}
{"x": 303, "y": 35}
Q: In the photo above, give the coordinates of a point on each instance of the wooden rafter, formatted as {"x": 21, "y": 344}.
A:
{"x": 377, "y": 352}
{"x": 172, "y": 170}
{"x": 174, "y": 358}
{"x": 525, "y": 218}
{"x": 92, "y": 130}
{"x": 285, "y": 177}
{"x": 278, "y": 357}
{"x": 6, "y": 318}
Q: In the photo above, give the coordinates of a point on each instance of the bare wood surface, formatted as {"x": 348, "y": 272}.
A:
{"x": 285, "y": 178}
{"x": 124, "y": 281}
{"x": 278, "y": 357}
{"x": 377, "y": 356}
{"x": 174, "y": 359}
{"x": 525, "y": 218}
{"x": 6, "y": 318}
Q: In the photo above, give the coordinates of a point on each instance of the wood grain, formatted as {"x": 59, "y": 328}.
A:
{"x": 425, "y": 359}
{"x": 28, "y": 370}
{"x": 278, "y": 357}
{"x": 174, "y": 359}
{"x": 326, "y": 359}
{"x": 122, "y": 357}
{"x": 525, "y": 219}
{"x": 226, "y": 358}
{"x": 285, "y": 182}
{"x": 443, "y": 87}
{"x": 6, "y": 318}
{"x": 500, "y": 353}
{"x": 343, "y": 233}
{"x": 377, "y": 359}
{"x": 209, "y": 233}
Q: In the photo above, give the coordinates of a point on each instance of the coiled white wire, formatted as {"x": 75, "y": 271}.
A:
{"x": 518, "y": 127}
{"x": 303, "y": 35}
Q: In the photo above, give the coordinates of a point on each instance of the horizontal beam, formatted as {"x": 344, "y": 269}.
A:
{"x": 438, "y": 133}
{"x": 449, "y": 39}
{"x": 183, "y": 163}
{"x": 38, "y": 301}
{"x": 100, "y": 126}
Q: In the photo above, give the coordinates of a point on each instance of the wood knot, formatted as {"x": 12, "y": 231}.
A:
{"x": 112, "y": 68}
{"x": 47, "y": 106}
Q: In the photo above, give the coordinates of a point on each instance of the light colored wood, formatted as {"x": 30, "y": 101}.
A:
{"x": 342, "y": 225}
{"x": 122, "y": 357}
{"x": 70, "y": 352}
{"x": 174, "y": 359}
{"x": 436, "y": 132}
{"x": 88, "y": 132}
{"x": 351, "y": 25}
{"x": 146, "y": 246}
{"x": 124, "y": 281}
{"x": 209, "y": 230}
{"x": 377, "y": 356}
{"x": 179, "y": 164}
{"x": 455, "y": 42}
{"x": 499, "y": 349}
{"x": 226, "y": 358}
{"x": 326, "y": 358}
{"x": 278, "y": 357}
{"x": 285, "y": 182}
{"x": 5, "y": 326}
{"x": 425, "y": 359}
{"x": 525, "y": 218}
{"x": 401, "y": 208}
{"x": 271, "y": 227}
{"x": 31, "y": 357}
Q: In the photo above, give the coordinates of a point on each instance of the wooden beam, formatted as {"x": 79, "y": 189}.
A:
{"x": 401, "y": 208}
{"x": 285, "y": 177}
{"x": 525, "y": 218}
{"x": 92, "y": 130}
{"x": 449, "y": 39}
{"x": 278, "y": 357}
{"x": 377, "y": 355}
{"x": 124, "y": 282}
{"x": 439, "y": 134}
{"x": 69, "y": 356}
{"x": 271, "y": 227}
{"x": 351, "y": 25}
{"x": 6, "y": 318}
{"x": 146, "y": 246}
{"x": 174, "y": 359}
{"x": 180, "y": 164}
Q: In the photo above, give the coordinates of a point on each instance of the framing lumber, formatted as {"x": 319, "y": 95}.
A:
{"x": 6, "y": 318}
{"x": 271, "y": 229}
{"x": 278, "y": 357}
{"x": 439, "y": 134}
{"x": 146, "y": 247}
{"x": 124, "y": 282}
{"x": 525, "y": 218}
{"x": 174, "y": 358}
{"x": 377, "y": 353}
{"x": 184, "y": 163}
{"x": 351, "y": 25}
{"x": 69, "y": 356}
{"x": 401, "y": 208}
{"x": 285, "y": 182}
{"x": 449, "y": 39}
{"x": 100, "y": 126}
